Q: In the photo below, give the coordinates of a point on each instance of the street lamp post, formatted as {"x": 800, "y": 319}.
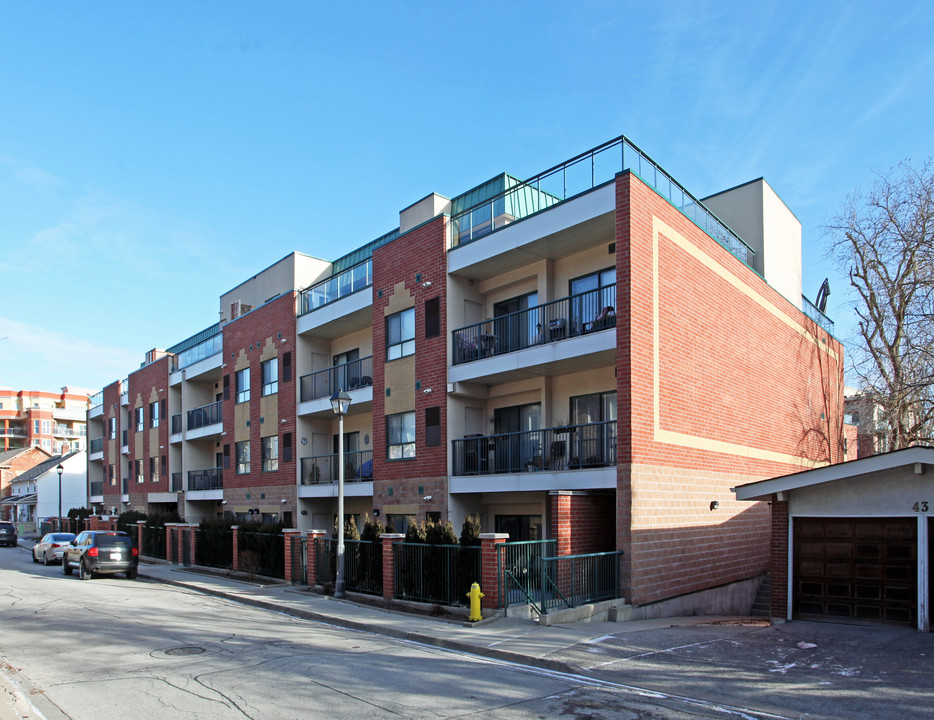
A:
{"x": 340, "y": 403}
{"x": 60, "y": 469}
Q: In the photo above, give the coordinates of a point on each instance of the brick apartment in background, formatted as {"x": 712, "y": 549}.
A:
{"x": 44, "y": 419}
{"x": 14, "y": 463}
{"x": 591, "y": 355}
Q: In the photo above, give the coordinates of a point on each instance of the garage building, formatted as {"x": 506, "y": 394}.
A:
{"x": 851, "y": 542}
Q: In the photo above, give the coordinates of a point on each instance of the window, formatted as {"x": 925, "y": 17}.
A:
{"x": 139, "y": 469}
{"x": 112, "y": 427}
{"x": 243, "y": 457}
{"x": 243, "y": 385}
{"x": 270, "y": 452}
{"x": 153, "y": 470}
{"x": 400, "y": 436}
{"x": 432, "y": 317}
{"x": 432, "y": 426}
{"x": 113, "y": 480}
{"x": 400, "y": 334}
{"x": 163, "y": 470}
{"x": 46, "y": 427}
{"x": 270, "y": 376}
{"x": 35, "y": 427}
{"x": 593, "y": 297}
{"x": 139, "y": 419}
{"x": 154, "y": 414}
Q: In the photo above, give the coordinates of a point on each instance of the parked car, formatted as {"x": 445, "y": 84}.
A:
{"x": 8, "y": 533}
{"x": 101, "y": 551}
{"x": 51, "y": 547}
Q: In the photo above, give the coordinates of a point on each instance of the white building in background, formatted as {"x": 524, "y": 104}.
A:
{"x": 35, "y": 495}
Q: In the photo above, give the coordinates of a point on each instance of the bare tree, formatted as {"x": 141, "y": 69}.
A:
{"x": 884, "y": 240}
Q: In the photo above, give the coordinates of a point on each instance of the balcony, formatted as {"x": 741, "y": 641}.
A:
{"x": 206, "y": 479}
{"x": 12, "y": 432}
{"x": 176, "y": 424}
{"x": 97, "y": 488}
{"x": 66, "y": 431}
{"x": 575, "y": 447}
{"x": 96, "y": 445}
{"x": 176, "y": 482}
{"x": 349, "y": 376}
{"x": 569, "y": 317}
{"x": 205, "y": 344}
{"x": 323, "y": 469}
{"x": 580, "y": 175}
{"x": 125, "y": 486}
{"x": 205, "y": 416}
{"x": 359, "y": 277}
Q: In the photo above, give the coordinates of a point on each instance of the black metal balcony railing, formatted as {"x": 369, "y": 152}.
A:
{"x": 204, "y": 416}
{"x": 176, "y": 424}
{"x": 206, "y": 479}
{"x": 561, "y": 448}
{"x": 123, "y": 437}
{"x": 176, "y": 482}
{"x": 97, "y": 487}
{"x": 557, "y": 320}
{"x": 125, "y": 486}
{"x": 96, "y": 445}
{"x": 323, "y": 469}
{"x": 349, "y": 376}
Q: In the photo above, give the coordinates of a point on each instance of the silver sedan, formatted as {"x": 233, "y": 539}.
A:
{"x": 51, "y": 547}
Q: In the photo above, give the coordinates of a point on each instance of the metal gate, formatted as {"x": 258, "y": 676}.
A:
{"x": 186, "y": 549}
{"x": 299, "y": 566}
{"x": 520, "y": 572}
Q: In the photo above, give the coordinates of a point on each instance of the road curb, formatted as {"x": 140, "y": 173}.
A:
{"x": 415, "y": 637}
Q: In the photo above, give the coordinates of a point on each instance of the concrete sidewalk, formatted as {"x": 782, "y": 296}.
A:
{"x": 503, "y": 638}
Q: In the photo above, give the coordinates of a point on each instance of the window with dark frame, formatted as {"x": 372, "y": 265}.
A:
{"x": 270, "y": 453}
{"x": 243, "y": 385}
{"x": 139, "y": 419}
{"x": 400, "y": 334}
{"x": 270, "y": 370}
{"x": 400, "y": 436}
{"x": 243, "y": 457}
{"x": 154, "y": 415}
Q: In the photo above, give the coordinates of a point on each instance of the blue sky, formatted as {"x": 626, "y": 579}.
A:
{"x": 154, "y": 155}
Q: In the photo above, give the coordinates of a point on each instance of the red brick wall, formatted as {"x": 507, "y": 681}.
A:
{"x": 779, "y": 559}
{"x": 420, "y": 251}
{"x": 253, "y": 329}
{"x": 746, "y": 384}
{"x": 141, "y": 386}
{"x": 111, "y": 403}
{"x": 583, "y": 523}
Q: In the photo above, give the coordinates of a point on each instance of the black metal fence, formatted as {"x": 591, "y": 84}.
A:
{"x": 261, "y": 554}
{"x": 204, "y": 416}
{"x": 323, "y": 469}
{"x": 572, "y": 580}
{"x": 439, "y": 574}
{"x": 363, "y": 564}
{"x": 152, "y": 542}
{"x": 348, "y": 376}
{"x": 214, "y": 546}
{"x": 206, "y": 479}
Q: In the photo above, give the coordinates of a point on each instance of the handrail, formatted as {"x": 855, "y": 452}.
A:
{"x": 347, "y": 376}
{"x": 581, "y": 174}
{"x": 353, "y": 279}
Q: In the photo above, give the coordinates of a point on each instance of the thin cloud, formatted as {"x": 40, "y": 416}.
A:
{"x": 38, "y": 179}
{"x": 37, "y": 358}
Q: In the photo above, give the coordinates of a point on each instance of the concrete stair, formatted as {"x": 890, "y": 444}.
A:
{"x": 762, "y": 606}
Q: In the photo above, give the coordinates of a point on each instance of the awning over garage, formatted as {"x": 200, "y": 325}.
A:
{"x": 852, "y": 542}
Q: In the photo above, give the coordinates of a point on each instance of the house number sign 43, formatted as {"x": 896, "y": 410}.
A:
{"x": 920, "y": 507}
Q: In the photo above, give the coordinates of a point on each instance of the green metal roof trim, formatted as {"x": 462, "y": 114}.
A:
{"x": 518, "y": 203}
{"x": 362, "y": 253}
{"x": 195, "y": 339}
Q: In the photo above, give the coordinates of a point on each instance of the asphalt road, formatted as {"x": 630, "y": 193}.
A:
{"x": 116, "y": 648}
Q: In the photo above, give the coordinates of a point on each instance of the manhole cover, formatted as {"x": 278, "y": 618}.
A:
{"x": 186, "y": 650}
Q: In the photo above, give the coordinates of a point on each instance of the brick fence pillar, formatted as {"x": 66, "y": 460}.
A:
{"x": 778, "y": 561}
{"x": 389, "y": 562}
{"x": 288, "y": 537}
{"x": 192, "y": 543}
{"x": 92, "y": 522}
{"x": 168, "y": 540}
{"x": 236, "y": 548}
{"x": 311, "y": 557}
{"x": 489, "y": 572}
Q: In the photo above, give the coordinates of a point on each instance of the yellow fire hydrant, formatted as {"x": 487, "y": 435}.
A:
{"x": 475, "y": 596}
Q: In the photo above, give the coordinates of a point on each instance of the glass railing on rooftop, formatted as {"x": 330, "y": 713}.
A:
{"x": 97, "y": 399}
{"x": 202, "y": 351}
{"x": 345, "y": 283}
{"x": 812, "y": 311}
{"x": 584, "y": 173}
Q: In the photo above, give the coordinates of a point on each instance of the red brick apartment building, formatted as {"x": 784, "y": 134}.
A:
{"x": 592, "y": 355}
{"x": 33, "y": 418}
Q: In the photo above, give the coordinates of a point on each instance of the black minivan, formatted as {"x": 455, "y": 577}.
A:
{"x": 101, "y": 551}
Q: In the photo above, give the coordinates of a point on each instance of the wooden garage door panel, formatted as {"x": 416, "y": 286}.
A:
{"x": 864, "y": 569}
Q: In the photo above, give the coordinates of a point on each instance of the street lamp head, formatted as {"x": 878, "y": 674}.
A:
{"x": 60, "y": 469}
{"x": 340, "y": 402}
